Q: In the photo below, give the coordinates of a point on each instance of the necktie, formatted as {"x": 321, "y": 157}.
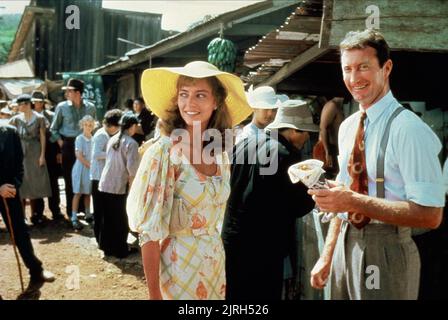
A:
{"x": 358, "y": 172}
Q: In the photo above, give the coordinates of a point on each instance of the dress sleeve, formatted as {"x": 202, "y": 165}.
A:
{"x": 42, "y": 123}
{"x": 150, "y": 198}
{"x": 78, "y": 143}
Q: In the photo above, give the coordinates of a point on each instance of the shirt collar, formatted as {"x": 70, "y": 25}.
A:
{"x": 377, "y": 109}
{"x": 254, "y": 127}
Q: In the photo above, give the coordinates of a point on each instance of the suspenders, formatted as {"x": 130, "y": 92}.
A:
{"x": 381, "y": 155}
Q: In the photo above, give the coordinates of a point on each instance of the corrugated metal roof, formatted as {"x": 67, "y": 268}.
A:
{"x": 299, "y": 32}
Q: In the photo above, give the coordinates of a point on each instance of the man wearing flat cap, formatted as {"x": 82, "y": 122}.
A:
{"x": 65, "y": 128}
{"x": 258, "y": 228}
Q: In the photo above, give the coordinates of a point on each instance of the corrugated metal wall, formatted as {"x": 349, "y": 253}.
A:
{"x": 57, "y": 49}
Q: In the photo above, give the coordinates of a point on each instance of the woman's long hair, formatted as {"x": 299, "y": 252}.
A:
{"x": 220, "y": 118}
{"x": 127, "y": 120}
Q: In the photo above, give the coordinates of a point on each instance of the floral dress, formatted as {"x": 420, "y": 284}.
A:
{"x": 171, "y": 202}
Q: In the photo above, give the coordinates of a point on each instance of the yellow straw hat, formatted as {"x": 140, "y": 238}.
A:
{"x": 159, "y": 87}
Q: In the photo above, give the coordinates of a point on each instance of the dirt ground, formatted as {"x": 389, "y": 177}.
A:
{"x": 82, "y": 272}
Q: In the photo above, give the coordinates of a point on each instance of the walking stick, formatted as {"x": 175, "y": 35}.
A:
{"x": 11, "y": 233}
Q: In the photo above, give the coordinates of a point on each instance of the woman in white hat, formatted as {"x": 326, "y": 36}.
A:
{"x": 265, "y": 102}
{"x": 178, "y": 198}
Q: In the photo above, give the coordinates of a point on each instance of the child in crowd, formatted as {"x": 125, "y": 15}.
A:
{"x": 121, "y": 165}
{"x": 81, "y": 171}
{"x": 100, "y": 140}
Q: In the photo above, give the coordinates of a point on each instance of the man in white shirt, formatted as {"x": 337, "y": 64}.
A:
{"x": 380, "y": 260}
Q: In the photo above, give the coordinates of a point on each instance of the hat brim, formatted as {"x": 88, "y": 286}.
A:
{"x": 264, "y": 105}
{"x": 302, "y": 127}
{"x": 159, "y": 87}
{"x": 294, "y": 103}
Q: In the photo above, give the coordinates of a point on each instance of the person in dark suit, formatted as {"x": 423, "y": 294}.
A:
{"x": 147, "y": 123}
{"x": 258, "y": 228}
{"x": 11, "y": 164}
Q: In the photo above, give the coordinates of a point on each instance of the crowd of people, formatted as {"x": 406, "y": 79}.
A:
{"x": 215, "y": 219}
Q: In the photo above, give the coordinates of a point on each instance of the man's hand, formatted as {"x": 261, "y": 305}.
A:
{"x": 7, "y": 191}
{"x": 60, "y": 143}
{"x": 59, "y": 158}
{"x": 336, "y": 199}
{"x": 320, "y": 273}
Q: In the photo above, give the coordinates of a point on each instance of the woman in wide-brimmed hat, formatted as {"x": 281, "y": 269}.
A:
{"x": 179, "y": 195}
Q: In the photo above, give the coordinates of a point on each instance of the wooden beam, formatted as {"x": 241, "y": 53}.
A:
{"x": 251, "y": 29}
{"x": 325, "y": 28}
{"x": 296, "y": 64}
{"x": 21, "y": 34}
{"x": 41, "y": 10}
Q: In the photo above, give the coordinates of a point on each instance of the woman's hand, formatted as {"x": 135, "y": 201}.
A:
{"x": 320, "y": 273}
{"x": 41, "y": 161}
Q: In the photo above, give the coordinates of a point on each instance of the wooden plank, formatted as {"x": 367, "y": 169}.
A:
{"x": 296, "y": 64}
{"x": 250, "y": 29}
{"x": 356, "y": 9}
{"x": 21, "y": 34}
{"x": 303, "y": 24}
{"x": 411, "y": 25}
{"x": 41, "y": 10}
{"x": 325, "y": 28}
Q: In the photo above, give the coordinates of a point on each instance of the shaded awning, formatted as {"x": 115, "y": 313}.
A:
{"x": 298, "y": 34}
{"x": 16, "y": 69}
{"x": 14, "y": 87}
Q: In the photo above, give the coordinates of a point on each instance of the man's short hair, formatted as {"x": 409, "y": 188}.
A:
{"x": 139, "y": 100}
{"x": 367, "y": 38}
{"x": 112, "y": 117}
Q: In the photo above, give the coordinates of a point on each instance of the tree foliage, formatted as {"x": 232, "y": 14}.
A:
{"x": 8, "y": 27}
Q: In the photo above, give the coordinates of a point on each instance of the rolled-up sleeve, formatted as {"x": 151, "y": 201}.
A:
{"x": 417, "y": 149}
{"x": 445, "y": 175}
{"x": 56, "y": 124}
{"x": 99, "y": 147}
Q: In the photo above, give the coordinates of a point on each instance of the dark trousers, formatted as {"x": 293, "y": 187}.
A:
{"x": 68, "y": 160}
{"x": 21, "y": 234}
{"x": 37, "y": 207}
{"x": 252, "y": 274}
{"x": 54, "y": 201}
{"x": 98, "y": 210}
{"x": 433, "y": 249}
{"x": 113, "y": 231}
